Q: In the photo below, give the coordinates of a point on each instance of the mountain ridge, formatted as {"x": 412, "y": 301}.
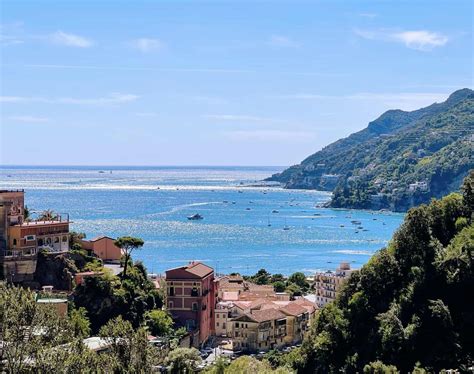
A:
{"x": 360, "y": 154}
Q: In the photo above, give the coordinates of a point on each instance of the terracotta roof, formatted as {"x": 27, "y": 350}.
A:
{"x": 293, "y": 309}
{"x": 308, "y": 305}
{"x": 195, "y": 268}
{"x": 100, "y": 237}
{"x": 266, "y": 315}
{"x": 230, "y": 296}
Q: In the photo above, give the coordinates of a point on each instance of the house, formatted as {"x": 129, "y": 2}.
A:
{"x": 191, "y": 299}
{"x": 259, "y": 330}
{"x": 21, "y": 239}
{"x": 328, "y": 284}
{"x": 418, "y": 186}
{"x": 104, "y": 248}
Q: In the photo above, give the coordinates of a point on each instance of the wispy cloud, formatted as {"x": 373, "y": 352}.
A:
{"x": 367, "y": 15}
{"x": 147, "y": 44}
{"x": 70, "y": 40}
{"x": 28, "y": 119}
{"x": 6, "y": 40}
{"x": 270, "y": 135}
{"x": 146, "y": 114}
{"x": 113, "y": 98}
{"x": 398, "y": 100}
{"x": 282, "y": 41}
{"x": 421, "y": 40}
{"x": 238, "y": 118}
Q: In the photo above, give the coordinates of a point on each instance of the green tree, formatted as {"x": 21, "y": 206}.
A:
{"x": 378, "y": 367}
{"x": 127, "y": 244}
{"x": 183, "y": 360}
{"x": 279, "y": 286}
{"x": 299, "y": 279}
{"x": 81, "y": 325}
{"x": 159, "y": 322}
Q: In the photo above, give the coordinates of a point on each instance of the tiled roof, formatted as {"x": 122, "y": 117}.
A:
{"x": 293, "y": 309}
{"x": 195, "y": 268}
{"x": 266, "y": 315}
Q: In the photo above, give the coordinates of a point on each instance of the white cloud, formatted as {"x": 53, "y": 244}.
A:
{"x": 28, "y": 119}
{"x": 70, "y": 40}
{"x": 283, "y": 42}
{"x": 270, "y": 135}
{"x": 6, "y": 40}
{"x": 113, "y": 98}
{"x": 421, "y": 40}
{"x": 147, "y": 44}
{"x": 239, "y": 118}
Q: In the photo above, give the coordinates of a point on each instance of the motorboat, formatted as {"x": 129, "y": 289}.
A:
{"x": 195, "y": 217}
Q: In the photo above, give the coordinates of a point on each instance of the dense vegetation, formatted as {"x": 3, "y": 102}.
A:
{"x": 374, "y": 167}
{"x": 411, "y": 305}
{"x": 295, "y": 285}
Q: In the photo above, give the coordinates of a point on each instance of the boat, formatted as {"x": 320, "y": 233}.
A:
{"x": 247, "y": 208}
{"x": 101, "y": 172}
{"x": 356, "y": 222}
{"x": 286, "y": 228}
{"x": 225, "y": 201}
{"x": 195, "y": 217}
{"x": 275, "y": 211}
{"x": 233, "y": 202}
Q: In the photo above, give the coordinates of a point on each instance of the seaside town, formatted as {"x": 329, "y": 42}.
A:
{"x": 222, "y": 315}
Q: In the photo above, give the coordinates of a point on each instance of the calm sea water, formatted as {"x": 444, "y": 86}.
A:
{"x": 234, "y": 236}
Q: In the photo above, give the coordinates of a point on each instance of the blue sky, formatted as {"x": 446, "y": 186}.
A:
{"x": 216, "y": 83}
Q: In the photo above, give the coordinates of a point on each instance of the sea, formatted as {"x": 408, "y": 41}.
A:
{"x": 245, "y": 226}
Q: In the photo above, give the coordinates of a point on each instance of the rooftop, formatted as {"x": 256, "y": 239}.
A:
{"x": 195, "y": 268}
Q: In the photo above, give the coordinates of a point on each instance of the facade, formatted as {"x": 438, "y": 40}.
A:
{"x": 191, "y": 298}
{"x": 327, "y": 284}
{"x": 21, "y": 239}
{"x": 104, "y": 248}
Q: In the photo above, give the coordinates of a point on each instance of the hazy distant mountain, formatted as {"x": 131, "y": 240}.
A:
{"x": 399, "y": 160}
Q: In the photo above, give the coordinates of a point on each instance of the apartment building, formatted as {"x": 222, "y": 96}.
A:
{"x": 21, "y": 239}
{"x": 328, "y": 284}
{"x": 191, "y": 299}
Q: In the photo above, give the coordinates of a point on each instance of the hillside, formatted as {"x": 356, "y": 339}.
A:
{"x": 400, "y": 160}
{"x": 410, "y": 305}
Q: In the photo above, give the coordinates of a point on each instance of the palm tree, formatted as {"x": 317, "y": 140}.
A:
{"x": 47, "y": 215}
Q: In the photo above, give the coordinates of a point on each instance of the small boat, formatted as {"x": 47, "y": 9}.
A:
{"x": 247, "y": 208}
{"x": 360, "y": 227}
{"x": 195, "y": 217}
{"x": 341, "y": 225}
{"x": 356, "y": 222}
{"x": 316, "y": 214}
{"x": 275, "y": 211}
{"x": 225, "y": 201}
{"x": 101, "y": 172}
{"x": 240, "y": 191}
{"x": 286, "y": 228}
{"x": 233, "y": 202}
{"x": 9, "y": 176}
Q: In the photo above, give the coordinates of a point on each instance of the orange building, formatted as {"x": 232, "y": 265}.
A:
{"x": 104, "y": 248}
{"x": 190, "y": 298}
{"x": 20, "y": 239}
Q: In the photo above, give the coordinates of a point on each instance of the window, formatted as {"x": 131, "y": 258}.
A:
{"x": 14, "y": 241}
{"x": 56, "y": 239}
{"x": 194, "y": 292}
{"x": 64, "y": 239}
{"x": 223, "y": 325}
{"x": 237, "y": 324}
{"x": 217, "y": 324}
{"x": 195, "y": 307}
{"x": 171, "y": 291}
{"x": 30, "y": 237}
{"x": 170, "y": 305}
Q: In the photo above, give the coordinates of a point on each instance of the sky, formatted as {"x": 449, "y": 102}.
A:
{"x": 216, "y": 83}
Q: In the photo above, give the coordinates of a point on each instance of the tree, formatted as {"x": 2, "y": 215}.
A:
{"x": 183, "y": 360}
{"x": 279, "y": 286}
{"x": 378, "y": 367}
{"x": 81, "y": 325}
{"x": 47, "y": 215}
{"x": 129, "y": 349}
{"x": 299, "y": 279}
{"x": 261, "y": 277}
{"x": 28, "y": 330}
{"x": 159, "y": 322}
{"x": 127, "y": 244}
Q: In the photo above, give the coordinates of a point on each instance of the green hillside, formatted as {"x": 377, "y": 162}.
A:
{"x": 410, "y": 305}
{"x": 400, "y": 160}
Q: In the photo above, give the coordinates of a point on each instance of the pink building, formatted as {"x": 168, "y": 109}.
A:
{"x": 190, "y": 298}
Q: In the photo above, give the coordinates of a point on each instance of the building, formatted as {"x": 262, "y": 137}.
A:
{"x": 327, "y": 284}
{"x": 262, "y": 325}
{"x": 21, "y": 239}
{"x": 190, "y": 298}
{"x": 418, "y": 186}
{"x": 104, "y": 248}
